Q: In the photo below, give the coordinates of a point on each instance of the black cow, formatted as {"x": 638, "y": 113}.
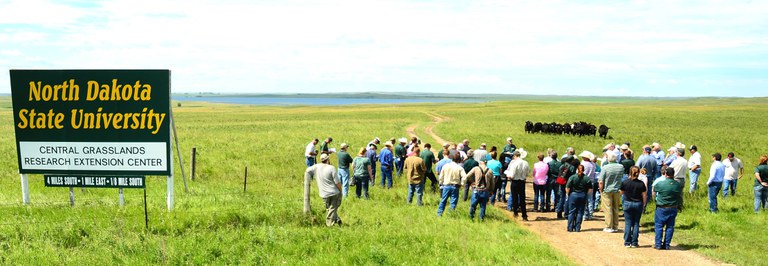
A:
{"x": 603, "y": 131}
{"x": 538, "y": 127}
{"x": 528, "y": 127}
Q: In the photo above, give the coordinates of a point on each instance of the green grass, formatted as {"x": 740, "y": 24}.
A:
{"x": 216, "y": 223}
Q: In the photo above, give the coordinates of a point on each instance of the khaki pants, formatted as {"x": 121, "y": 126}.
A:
{"x": 332, "y": 204}
{"x": 611, "y": 202}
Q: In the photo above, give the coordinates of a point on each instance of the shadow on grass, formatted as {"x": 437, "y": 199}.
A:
{"x": 696, "y": 246}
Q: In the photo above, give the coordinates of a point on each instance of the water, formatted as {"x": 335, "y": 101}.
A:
{"x": 316, "y": 101}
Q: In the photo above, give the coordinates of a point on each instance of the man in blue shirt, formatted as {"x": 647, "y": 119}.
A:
{"x": 386, "y": 159}
{"x": 715, "y": 182}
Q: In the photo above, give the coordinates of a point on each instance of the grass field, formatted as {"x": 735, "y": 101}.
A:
{"x": 218, "y": 223}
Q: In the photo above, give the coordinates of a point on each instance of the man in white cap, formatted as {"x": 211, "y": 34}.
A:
{"x": 400, "y": 154}
{"x": 386, "y": 159}
{"x": 374, "y": 142}
{"x": 508, "y": 150}
{"x": 329, "y": 188}
{"x": 517, "y": 173}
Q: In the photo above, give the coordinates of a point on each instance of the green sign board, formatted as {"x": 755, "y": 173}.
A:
{"x": 105, "y": 122}
{"x": 95, "y": 181}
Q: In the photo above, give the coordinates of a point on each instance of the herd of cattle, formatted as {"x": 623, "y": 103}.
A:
{"x": 577, "y": 128}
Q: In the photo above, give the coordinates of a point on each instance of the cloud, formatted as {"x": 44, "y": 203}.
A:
{"x": 250, "y": 46}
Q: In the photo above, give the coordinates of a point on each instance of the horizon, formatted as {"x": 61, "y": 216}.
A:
{"x": 629, "y": 49}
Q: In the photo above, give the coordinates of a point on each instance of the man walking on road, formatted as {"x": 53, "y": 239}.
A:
{"x": 668, "y": 198}
{"x": 329, "y": 187}
{"x": 609, "y": 183}
{"x": 517, "y": 173}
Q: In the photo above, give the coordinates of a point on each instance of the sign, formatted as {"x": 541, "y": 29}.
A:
{"x": 103, "y": 122}
{"x": 95, "y": 181}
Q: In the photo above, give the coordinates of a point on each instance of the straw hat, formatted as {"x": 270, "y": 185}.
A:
{"x": 388, "y": 144}
{"x": 523, "y": 153}
{"x": 587, "y": 154}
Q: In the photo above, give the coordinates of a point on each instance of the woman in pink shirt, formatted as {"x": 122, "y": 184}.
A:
{"x": 540, "y": 170}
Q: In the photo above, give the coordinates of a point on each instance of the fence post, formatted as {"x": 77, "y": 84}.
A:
{"x": 71, "y": 196}
{"x": 192, "y": 164}
{"x": 307, "y": 181}
{"x": 25, "y": 189}
{"x": 122, "y": 197}
{"x": 245, "y": 179}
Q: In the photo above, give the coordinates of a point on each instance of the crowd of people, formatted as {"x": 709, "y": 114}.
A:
{"x": 573, "y": 186}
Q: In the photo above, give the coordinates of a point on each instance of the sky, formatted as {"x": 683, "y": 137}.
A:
{"x": 593, "y": 48}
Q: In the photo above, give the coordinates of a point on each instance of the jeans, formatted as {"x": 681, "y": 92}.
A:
{"x": 589, "y": 213}
{"x": 714, "y": 189}
{"x": 310, "y": 161}
{"x": 648, "y": 195}
{"x": 399, "y": 164}
{"x": 419, "y": 190}
{"x": 611, "y": 208}
{"x": 664, "y": 226}
{"x": 761, "y": 198}
{"x": 596, "y": 191}
{"x": 633, "y": 210}
{"x": 501, "y": 190}
{"x": 539, "y": 197}
{"x": 577, "y": 202}
{"x": 478, "y": 197}
{"x": 361, "y": 186}
{"x": 729, "y": 185}
{"x": 332, "y": 205}
{"x": 694, "y": 180}
{"x": 448, "y": 191}
{"x": 386, "y": 175}
{"x": 560, "y": 206}
{"x": 517, "y": 200}
{"x": 344, "y": 178}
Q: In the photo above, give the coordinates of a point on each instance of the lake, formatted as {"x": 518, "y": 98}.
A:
{"x": 316, "y": 101}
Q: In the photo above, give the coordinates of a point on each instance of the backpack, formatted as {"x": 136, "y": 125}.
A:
{"x": 554, "y": 168}
{"x": 562, "y": 178}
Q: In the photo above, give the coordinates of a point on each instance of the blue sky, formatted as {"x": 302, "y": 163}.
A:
{"x": 604, "y": 48}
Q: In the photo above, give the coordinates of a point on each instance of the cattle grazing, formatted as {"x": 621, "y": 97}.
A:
{"x": 528, "y": 127}
{"x": 603, "y": 131}
{"x": 580, "y": 128}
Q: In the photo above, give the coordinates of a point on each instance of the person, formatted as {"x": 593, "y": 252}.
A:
{"x": 452, "y": 175}
{"x": 399, "y": 156}
{"x": 374, "y": 142}
{"x": 659, "y": 156}
{"x": 715, "y": 181}
{"x": 669, "y": 194}
{"x": 647, "y": 162}
{"x": 509, "y": 149}
{"x": 469, "y": 163}
{"x": 609, "y": 182}
{"x": 694, "y": 168}
{"x": 465, "y": 146}
{"x": 414, "y": 170}
{"x": 386, "y": 159}
{"x": 344, "y": 161}
{"x": 577, "y": 188}
{"x": 680, "y": 165}
{"x": 310, "y": 153}
{"x": 373, "y": 158}
{"x": 548, "y": 158}
{"x": 498, "y": 182}
{"x": 554, "y": 187}
{"x": 634, "y": 192}
{"x": 481, "y": 153}
{"x": 516, "y": 174}
{"x": 569, "y": 152}
{"x": 429, "y": 160}
{"x": 644, "y": 178}
{"x": 446, "y": 147}
{"x": 324, "y": 148}
{"x": 567, "y": 169}
{"x": 761, "y": 184}
{"x": 540, "y": 171}
{"x": 626, "y": 160}
{"x": 590, "y": 170}
{"x": 362, "y": 172}
{"x": 734, "y": 170}
{"x": 482, "y": 183}
{"x": 671, "y": 157}
{"x": 415, "y": 142}
{"x": 329, "y": 188}
{"x": 611, "y": 147}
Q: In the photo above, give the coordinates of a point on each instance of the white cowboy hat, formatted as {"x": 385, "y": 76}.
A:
{"x": 587, "y": 154}
{"x": 403, "y": 140}
{"x": 523, "y": 153}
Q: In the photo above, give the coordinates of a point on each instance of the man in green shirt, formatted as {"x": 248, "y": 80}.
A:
{"x": 400, "y": 156}
{"x": 609, "y": 183}
{"x": 344, "y": 161}
{"x": 469, "y": 163}
{"x": 429, "y": 159}
{"x": 509, "y": 149}
{"x": 668, "y": 198}
{"x": 761, "y": 184}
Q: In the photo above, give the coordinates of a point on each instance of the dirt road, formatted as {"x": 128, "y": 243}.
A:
{"x": 591, "y": 246}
